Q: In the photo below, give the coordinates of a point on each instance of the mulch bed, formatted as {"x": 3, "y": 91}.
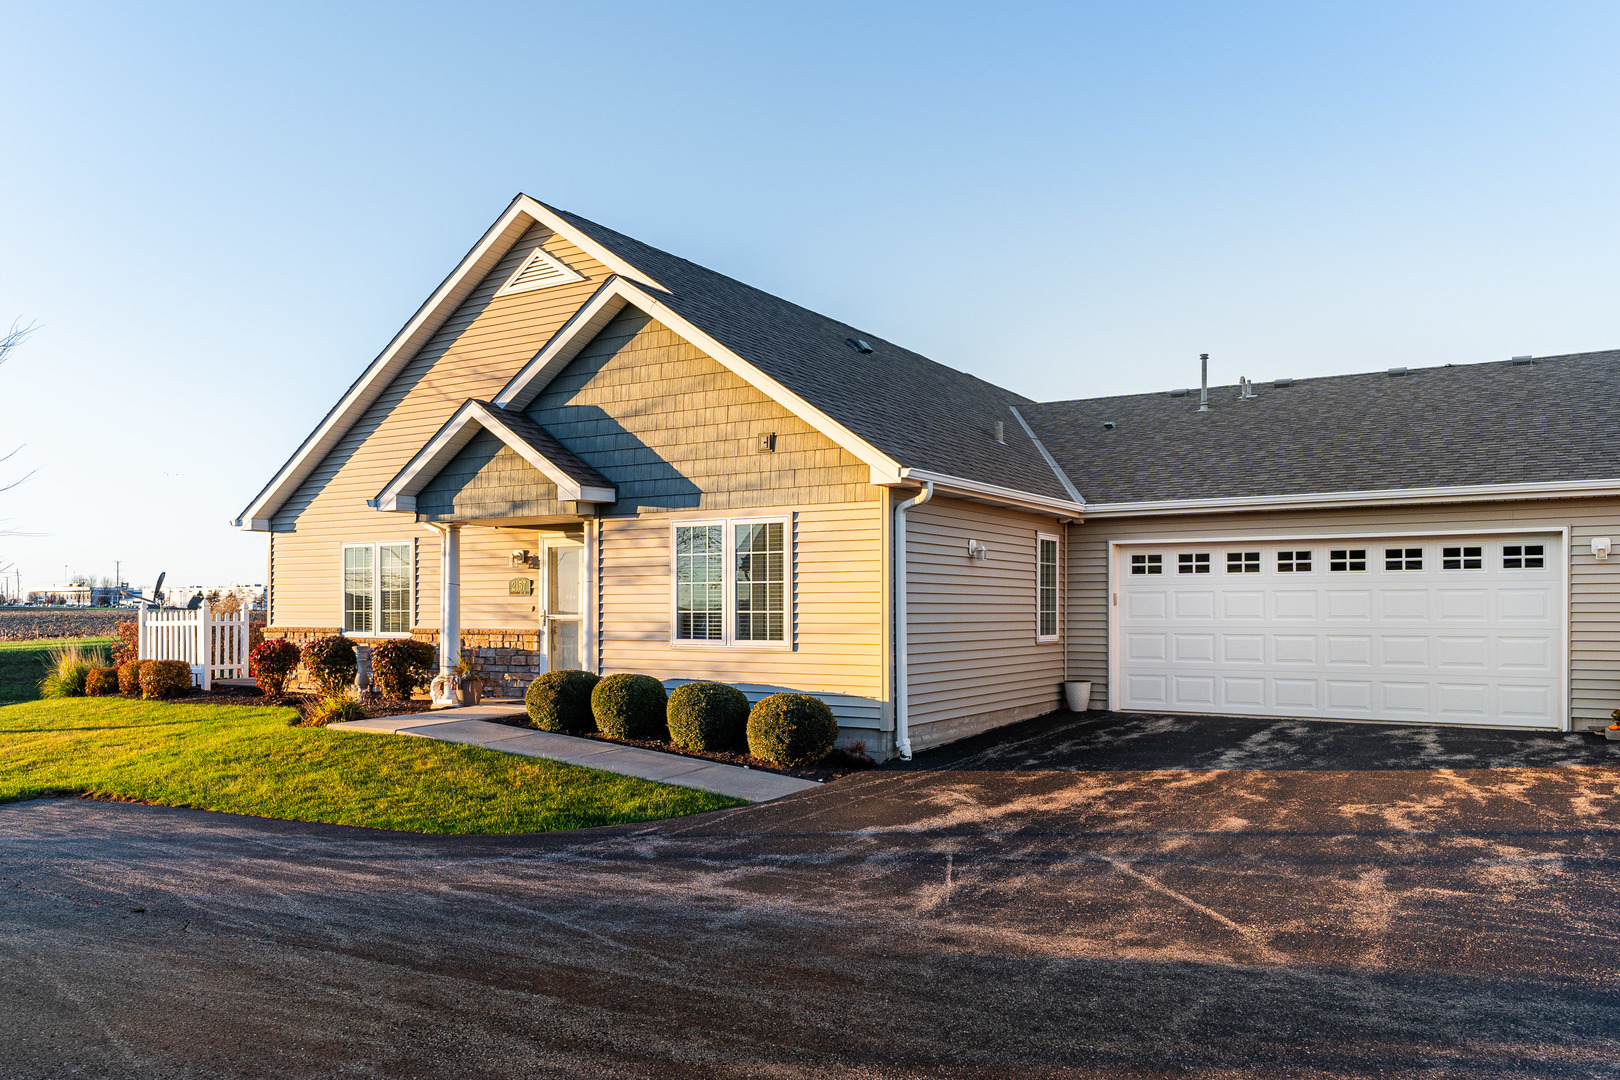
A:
{"x": 252, "y": 695}
{"x": 838, "y": 763}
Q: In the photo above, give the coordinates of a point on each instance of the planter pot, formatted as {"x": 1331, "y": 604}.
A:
{"x": 451, "y": 690}
{"x": 1611, "y": 734}
{"x": 1077, "y": 695}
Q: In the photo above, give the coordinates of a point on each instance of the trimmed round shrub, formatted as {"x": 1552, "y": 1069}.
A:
{"x": 273, "y": 661}
{"x": 129, "y": 678}
{"x": 161, "y": 679}
{"x": 630, "y": 707}
{"x": 101, "y": 682}
{"x": 330, "y": 662}
{"x": 708, "y": 716}
{"x": 791, "y": 729}
{"x": 402, "y": 666}
{"x": 561, "y": 701}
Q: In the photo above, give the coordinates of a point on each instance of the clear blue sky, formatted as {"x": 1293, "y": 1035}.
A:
{"x": 218, "y": 216}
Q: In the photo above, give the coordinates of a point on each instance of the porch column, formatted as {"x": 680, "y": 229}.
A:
{"x": 449, "y": 598}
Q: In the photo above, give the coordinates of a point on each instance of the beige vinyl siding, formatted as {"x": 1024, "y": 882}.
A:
{"x": 673, "y": 428}
{"x": 1594, "y": 616}
{"x": 973, "y": 660}
{"x": 836, "y": 609}
{"x": 474, "y": 354}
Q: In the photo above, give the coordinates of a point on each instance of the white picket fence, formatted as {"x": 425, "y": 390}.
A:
{"x": 215, "y": 644}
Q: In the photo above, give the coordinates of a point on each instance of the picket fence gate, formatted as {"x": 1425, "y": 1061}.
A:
{"x": 215, "y": 644}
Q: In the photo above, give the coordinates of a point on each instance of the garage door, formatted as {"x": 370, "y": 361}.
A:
{"x": 1443, "y": 629}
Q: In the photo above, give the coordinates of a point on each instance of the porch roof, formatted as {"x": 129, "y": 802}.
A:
{"x": 575, "y": 480}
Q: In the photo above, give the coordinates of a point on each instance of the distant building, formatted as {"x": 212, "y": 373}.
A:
{"x": 82, "y": 595}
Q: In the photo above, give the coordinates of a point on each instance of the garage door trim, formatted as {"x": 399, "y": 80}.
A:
{"x": 1114, "y": 546}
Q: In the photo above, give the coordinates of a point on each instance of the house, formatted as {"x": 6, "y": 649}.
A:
{"x": 583, "y": 452}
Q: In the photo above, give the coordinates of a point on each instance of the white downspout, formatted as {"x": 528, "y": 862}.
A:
{"x": 902, "y": 718}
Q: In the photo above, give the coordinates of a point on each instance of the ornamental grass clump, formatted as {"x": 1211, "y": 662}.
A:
{"x": 330, "y": 662}
{"x": 273, "y": 660}
{"x": 164, "y": 679}
{"x": 708, "y": 716}
{"x": 561, "y": 701}
{"x": 335, "y": 709}
{"x": 630, "y": 707}
{"x": 101, "y": 682}
{"x": 68, "y": 668}
{"x": 402, "y": 666}
{"x": 791, "y": 730}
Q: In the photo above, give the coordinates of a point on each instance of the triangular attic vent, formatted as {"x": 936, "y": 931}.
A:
{"x": 538, "y": 271}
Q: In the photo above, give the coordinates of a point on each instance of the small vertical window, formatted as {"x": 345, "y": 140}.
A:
{"x": 1192, "y": 562}
{"x": 1347, "y": 560}
{"x": 1147, "y": 564}
{"x": 394, "y": 570}
{"x": 1462, "y": 558}
{"x": 699, "y": 582}
{"x": 359, "y": 589}
{"x": 1403, "y": 558}
{"x": 1046, "y": 588}
{"x": 1242, "y": 562}
{"x": 1523, "y": 556}
{"x": 761, "y": 581}
{"x": 1293, "y": 562}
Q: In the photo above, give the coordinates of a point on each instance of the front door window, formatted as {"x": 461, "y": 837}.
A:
{"x": 565, "y": 626}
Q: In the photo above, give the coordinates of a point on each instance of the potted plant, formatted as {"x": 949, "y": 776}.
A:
{"x": 1612, "y": 732}
{"x": 463, "y": 686}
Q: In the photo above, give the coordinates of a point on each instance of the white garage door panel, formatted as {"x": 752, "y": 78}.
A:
{"x": 1469, "y": 636}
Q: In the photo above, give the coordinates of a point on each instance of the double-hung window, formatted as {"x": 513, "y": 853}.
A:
{"x": 732, "y": 582}
{"x": 1046, "y": 587}
{"x": 377, "y": 588}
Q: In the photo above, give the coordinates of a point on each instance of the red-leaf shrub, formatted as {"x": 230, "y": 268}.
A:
{"x": 128, "y": 648}
{"x": 330, "y": 663}
{"x": 273, "y": 661}
{"x": 401, "y": 666}
{"x": 129, "y": 678}
{"x": 164, "y": 678}
{"x": 101, "y": 682}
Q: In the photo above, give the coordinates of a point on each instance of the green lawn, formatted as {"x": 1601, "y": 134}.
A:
{"x": 247, "y": 760}
{"x": 22, "y": 664}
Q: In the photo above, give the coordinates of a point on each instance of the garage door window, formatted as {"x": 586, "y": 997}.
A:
{"x": 1147, "y": 564}
{"x": 1293, "y": 562}
{"x": 1462, "y": 558}
{"x": 1523, "y": 556}
{"x": 1347, "y": 560}
{"x": 1192, "y": 562}
{"x": 1242, "y": 562}
{"x": 1403, "y": 558}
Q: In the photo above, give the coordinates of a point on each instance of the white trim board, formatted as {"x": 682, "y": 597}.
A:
{"x": 1555, "y": 489}
{"x": 476, "y": 265}
{"x": 449, "y": 440}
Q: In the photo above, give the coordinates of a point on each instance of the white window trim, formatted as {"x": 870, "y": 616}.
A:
{"x": 376, "y": 589}
{"x": 728, "y": 590}
{"x": 1040, "y": 638}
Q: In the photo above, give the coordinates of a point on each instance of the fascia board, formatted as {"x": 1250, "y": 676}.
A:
{"x": 497, "y": 240}
{"x": 946, "y": 484}
{"x": 601, "y": 308}
{"x": 1568, "y": 489}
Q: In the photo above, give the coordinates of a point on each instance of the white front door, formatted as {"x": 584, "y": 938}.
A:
{"x": 562, "y": 610}
{"x": 1439, "y": 629}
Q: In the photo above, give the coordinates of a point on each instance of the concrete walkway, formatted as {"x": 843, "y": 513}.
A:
{"x": 475, "y": 726}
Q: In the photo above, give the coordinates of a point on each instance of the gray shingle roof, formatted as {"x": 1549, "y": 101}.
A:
{"x": 1555, "y": 419}
{"x": 545, "y": 442}
{"x": 921, "y": 413}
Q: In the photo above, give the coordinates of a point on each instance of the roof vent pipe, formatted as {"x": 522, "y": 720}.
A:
{"x": 1203, "y": 382}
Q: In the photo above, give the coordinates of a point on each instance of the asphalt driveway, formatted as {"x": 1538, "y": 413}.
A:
{"x": 1100, "y": 897}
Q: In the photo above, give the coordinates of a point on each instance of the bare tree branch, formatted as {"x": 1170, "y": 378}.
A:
{"x": 14, "y": 337}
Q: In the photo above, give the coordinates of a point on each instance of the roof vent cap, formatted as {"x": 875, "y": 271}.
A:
{"x": 1394, "y": 371}
{"x": 1282, "y": 382}
{"x": 1523, "y": 360}
{"x": 1183, "y": 392}
{"x": 1108, "y": 425}
{"x": 859, "y": 346}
